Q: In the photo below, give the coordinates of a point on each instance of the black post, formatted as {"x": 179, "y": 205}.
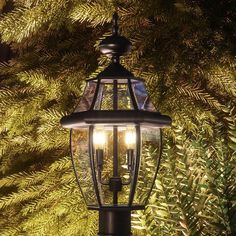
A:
{"x": 114, "y": 223}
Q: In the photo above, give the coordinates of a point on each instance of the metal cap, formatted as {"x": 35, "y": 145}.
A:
{"x": 115, "y": 45}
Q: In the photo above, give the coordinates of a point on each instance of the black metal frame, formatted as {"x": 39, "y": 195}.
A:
{"x": 95, "y": 95}
{"x": 115, "y": 118}
{"x": 115, "y": 219}
{"x": 134, "y": 178}
{"x": 115, "y": 173}
{"x": 85, "y": 118}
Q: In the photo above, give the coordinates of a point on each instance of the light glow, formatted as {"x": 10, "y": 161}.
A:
{"x": 99, "y": 139}
{"x": 130, "y": 138}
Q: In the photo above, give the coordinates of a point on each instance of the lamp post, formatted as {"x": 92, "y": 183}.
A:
{"x": 115, "y": 141}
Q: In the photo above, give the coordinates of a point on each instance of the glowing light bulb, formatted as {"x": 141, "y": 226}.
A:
{"x": 130, "y": 139}
{"x": 99, "y": 139}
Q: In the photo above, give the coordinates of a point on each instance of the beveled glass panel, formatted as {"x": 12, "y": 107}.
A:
{"x": 106, "y": 93}
{"x": 81, "y": 160}
{"x": 124, "y": 100}
{"x": 105, "y": 97}
{"x": 149, "y": 160}
{"x": 142, "y": 96}
{"x": 87, "y": 98}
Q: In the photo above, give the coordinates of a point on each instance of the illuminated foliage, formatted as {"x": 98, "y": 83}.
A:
{"x": 185, "y": 52}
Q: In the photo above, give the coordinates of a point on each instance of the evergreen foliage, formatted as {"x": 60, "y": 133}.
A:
{"x": 185, "y": 51}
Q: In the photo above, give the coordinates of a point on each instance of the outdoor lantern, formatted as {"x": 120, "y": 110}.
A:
{"x": 115, "y": 141}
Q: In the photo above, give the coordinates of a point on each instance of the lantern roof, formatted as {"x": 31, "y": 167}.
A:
{"x": 115, "y": 71}
{"x": 115, "y": 96}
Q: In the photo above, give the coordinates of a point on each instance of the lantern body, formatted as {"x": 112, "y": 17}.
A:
{"x": 115, "y": 141}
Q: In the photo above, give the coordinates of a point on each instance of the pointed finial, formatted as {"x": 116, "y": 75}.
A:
{"x": 115, "y": 27}
{"x": 115, "y": 45}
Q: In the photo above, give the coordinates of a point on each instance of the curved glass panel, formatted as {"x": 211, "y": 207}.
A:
{"x": 114, "y": 153}
{"x": 87, "y": 98}
{"x": 142, "y": 96}
{"x": 149, "y": 161}
{"x": 81, "y": 163}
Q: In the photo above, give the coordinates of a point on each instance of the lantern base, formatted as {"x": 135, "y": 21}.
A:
{"x": 114, "y": 223}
